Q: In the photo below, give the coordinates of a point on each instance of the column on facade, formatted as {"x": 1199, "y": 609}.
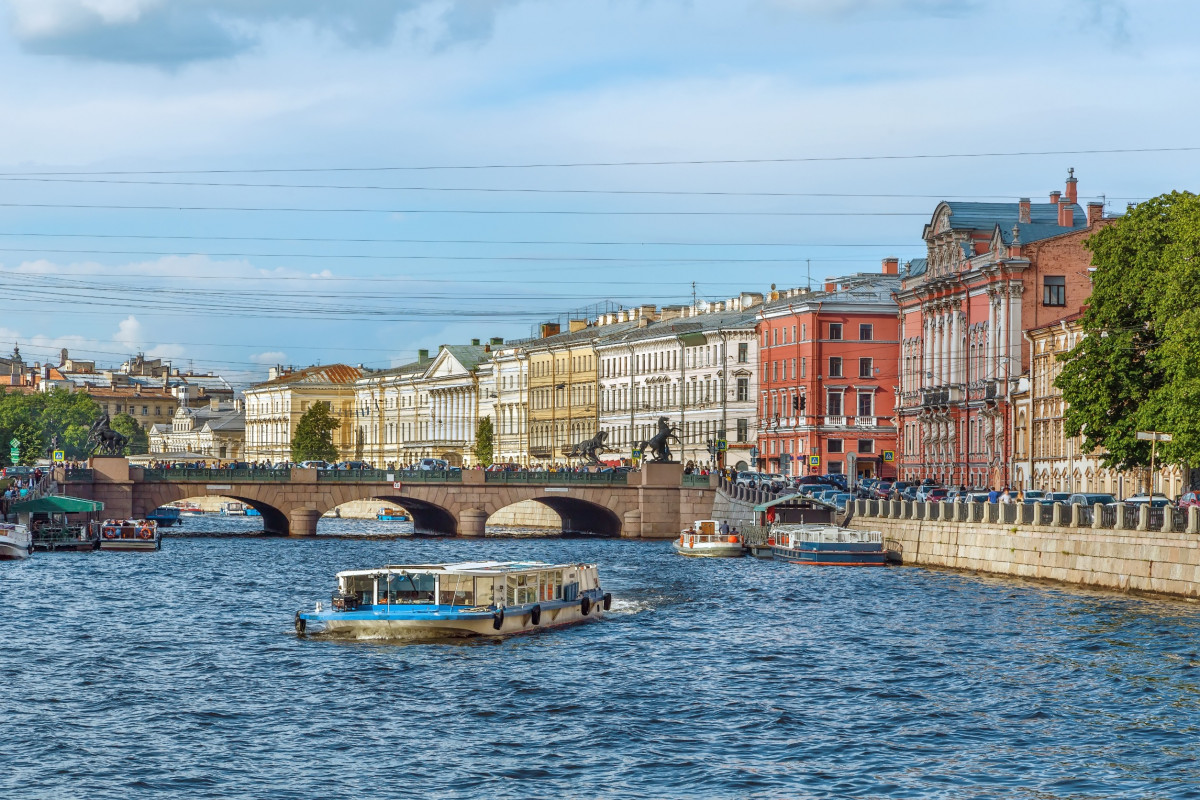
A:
{"x": 990, "y": 363}
{"x": 926, "y": 357}
{"x": 1014, "y": 329}
{"x": 1004, "y": 367}
{"x": 943, "y": 348}
{"x": 955, "y": 348}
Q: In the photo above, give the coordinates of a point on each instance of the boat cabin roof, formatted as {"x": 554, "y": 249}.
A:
{"x": 483, "y": 568}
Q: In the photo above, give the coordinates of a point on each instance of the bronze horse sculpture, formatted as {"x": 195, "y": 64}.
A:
{"x": 103, "y": 440}
{"x": 590, "y": 448}
{"x": 658, "y": 444}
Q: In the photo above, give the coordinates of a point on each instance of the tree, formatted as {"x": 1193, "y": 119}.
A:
{"x": 313, "y": 440}
{"x": 35, "y": 419}
{"x": 1137, "y": 367}
{"x": 127, "y": 426}
{"x": 484, "y": 440}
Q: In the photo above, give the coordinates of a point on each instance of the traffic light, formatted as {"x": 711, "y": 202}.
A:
{"x": 795, "y": 402}
{"x": 802, "y": 400}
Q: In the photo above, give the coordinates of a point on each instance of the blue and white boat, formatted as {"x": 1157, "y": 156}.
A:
{"x": 387, "y": 514}
{"x": 828, "y": 546}
{"x": 484, "y": 598}
{"x": 164, "y": 516}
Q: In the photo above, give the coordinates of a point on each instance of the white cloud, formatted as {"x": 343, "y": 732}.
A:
{"x": 269, "y": 357}
{"x": 129, "y": 333}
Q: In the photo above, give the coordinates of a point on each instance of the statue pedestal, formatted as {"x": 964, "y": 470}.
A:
{"x": 658, "y": 497}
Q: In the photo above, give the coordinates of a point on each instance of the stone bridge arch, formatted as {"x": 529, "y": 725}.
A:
{"x": 576, "y": 515}
{"x": 275, "y": 519}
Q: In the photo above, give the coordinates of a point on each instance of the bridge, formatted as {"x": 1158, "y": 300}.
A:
{"x": 654, "y": 503}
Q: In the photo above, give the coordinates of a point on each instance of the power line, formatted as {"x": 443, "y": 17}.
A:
{"x": 575, "y": 164}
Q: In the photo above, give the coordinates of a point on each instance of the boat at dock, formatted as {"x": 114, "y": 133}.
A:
{"x": 391, "y": 515}
{"x": 128, "y": 534}
{"x": 704, "y": 540}
{"x": 15, "y": 542}
{"x": 188, "y": 509}
{"x": 828, "y": 546}
{"x": 165, "y": 516}
{"x": 232, "y": 509}
{"x": 435, "y": 601}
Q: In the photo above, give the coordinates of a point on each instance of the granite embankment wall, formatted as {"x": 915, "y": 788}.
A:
{"x": 1121, "y": 560}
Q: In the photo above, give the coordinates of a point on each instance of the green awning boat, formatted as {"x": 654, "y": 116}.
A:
{"x": 57, "y": 504}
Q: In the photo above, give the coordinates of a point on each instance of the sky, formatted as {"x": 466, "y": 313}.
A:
{"x": 238, "y": 183}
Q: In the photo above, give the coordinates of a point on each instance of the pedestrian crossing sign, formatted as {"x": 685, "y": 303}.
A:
{"x": 722, "y": 444}
{"x": 814, "y": 461}
{"x": 889, "y": 455}
{"x": 59, "y": 456}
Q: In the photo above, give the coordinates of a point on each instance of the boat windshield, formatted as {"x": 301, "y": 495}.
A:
{"x": 400, "y": 588}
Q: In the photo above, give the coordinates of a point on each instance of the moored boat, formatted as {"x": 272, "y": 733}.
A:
{"x": 15, "y": 542}
{"x": 434, "y": 601}
{"x": 233, "y": 509}
{"x": 129, "y": 534}
{"x": 828, "y": 545}
{"x": 704, "y": 539}
{"x": 391, "y": 515}
{"x": 164, "y": 516}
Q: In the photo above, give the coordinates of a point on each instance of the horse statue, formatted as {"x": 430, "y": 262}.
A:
{"x": 103, "y": 440}
{"x": 658, "y": 443}
{"x": 590, "y": 448}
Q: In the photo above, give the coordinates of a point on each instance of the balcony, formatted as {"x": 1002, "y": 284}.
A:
{"x": 839, "y": 422}
{"x": 866, "y": 422}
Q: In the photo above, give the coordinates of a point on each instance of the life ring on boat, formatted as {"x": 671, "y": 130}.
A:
{"x": 535, "y": 615}
{"x": 607, "y": 601}
{"x": 110, "y": 532}
{"x": 145, "y": 532}
{"x": 585, "y": 606}
{"x": 498, "y": 619}
{"x": 301, "y": 623}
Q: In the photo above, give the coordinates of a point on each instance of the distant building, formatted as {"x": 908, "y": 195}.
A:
{"x": 273, "y": 408}
{"x": 827, "y": 377}
{"x": 216, "y": 431}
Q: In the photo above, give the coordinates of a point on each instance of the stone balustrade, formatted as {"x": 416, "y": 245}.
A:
{"x": 1059, "y": 515}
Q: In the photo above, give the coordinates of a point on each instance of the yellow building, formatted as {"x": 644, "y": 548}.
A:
{"x": 562, "y": 391}
{"x": 273, "y": 409}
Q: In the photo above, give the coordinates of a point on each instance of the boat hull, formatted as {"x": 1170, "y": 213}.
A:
{"x": 720, "y": 550}
{"x": 825, "y": 555}
{"x": 12, "y": 551}
{"x": 131, "y": 544}
{"x": 386, "y": 623}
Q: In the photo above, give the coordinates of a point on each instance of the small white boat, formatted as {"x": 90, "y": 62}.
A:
{"x": 15, "y": 542}
{"x": 435, "y": 601}
{"x": 828, "y": 546}
{"x": 232, "y": 509}
{"x": 128, "y": 534}
{"x": 705, "y": 540}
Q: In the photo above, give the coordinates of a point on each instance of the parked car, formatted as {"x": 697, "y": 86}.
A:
{"x": 841, "y": 498}
{"x": 1155, "y": 501}
{"x": 1090, "y": 499}
{"x": 898, "y": 487}
{"x": 883, "y": 490}
{"x": 354, "y": 465}
{"x": 1189, "y": 499}
{"x": 976, "y": 497}
{"x": 15, "y": 472}
{"x": 314, "y": 465}
{"x": 1033, "y": 496}
{"x": 1054, "y": 497}
{"x": 908, "y": 493}
{"x": 433, "y": 464}
{"x": 936, "y": 494}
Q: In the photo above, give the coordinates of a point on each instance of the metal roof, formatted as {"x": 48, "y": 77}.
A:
{"x": 331, "y": 373}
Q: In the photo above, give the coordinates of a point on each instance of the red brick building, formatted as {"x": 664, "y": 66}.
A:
{"x": 993, "y": 272}
{"x": 828, "y": 374}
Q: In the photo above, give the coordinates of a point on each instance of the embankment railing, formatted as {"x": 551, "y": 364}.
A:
{"x": 1116, "y": 517}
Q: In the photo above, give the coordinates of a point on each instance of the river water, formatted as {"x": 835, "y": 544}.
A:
{"x": 177, "y": 674}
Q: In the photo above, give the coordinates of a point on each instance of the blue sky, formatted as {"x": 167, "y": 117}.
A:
{"x": 148, "y": 103}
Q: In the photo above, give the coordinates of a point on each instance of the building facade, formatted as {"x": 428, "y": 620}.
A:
{"x": 511, "y": 405}
{"x": 215, "y": 431}
{"x": 993, "y": 271}
{"x": 274, "y": 408}
{"x": 563, "y": 407}
{"x": 828, "y": 364}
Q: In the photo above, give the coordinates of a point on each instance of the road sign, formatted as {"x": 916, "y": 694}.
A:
{"x": 753, "y": 453}
{"x": 889, "y": 455}
{"x": 397, "y": 485}
{"x": 14, "y": 450}
{"x": 722, "y": 444}
{"x": 60, "y": 456}
{"x": 637, "y": 453}
{"x": 1153, "y": 436}
{"x": 814, "y": 461}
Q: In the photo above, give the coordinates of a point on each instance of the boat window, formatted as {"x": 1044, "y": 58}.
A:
{"x": 399, "y": 588}
{"x": 361, "y": 585}
{"x": 457, "y": 590}
{"x": 511, "y": 591}
{"x": 484, "y": 594}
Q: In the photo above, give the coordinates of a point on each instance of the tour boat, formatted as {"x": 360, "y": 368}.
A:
{"x": 233, "y": 509}
{"x": 129, "y": 534}
{"x": 391, "y": 515}
{"x": 15, "y": 542}
{"x": 828, "y": 545}
{"x": 704, "y": 540}
{"x": 485, "y": 598}
{"x": 164, "y": 516}
{"x": 189, "y": 509}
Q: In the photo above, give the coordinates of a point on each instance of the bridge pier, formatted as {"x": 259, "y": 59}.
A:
{"x": 472, "y": 522}
{"x": 303, "y": 522}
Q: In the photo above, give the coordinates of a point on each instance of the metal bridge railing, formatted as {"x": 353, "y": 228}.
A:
{"x": 205, "y": 475}
{"x": 560, "y": 478}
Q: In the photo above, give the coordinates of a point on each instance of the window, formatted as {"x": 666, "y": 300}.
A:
{"x": 864, "y": 367}
{"x": 804, "y": 332}
{"x": 743, "y": 353}
{"x": 804, "y": 368}
{"x": 835, "y": 467}
{"x": 835, "y": 330}
{"x": 775, "y": 334}
{"x": 145, "y": 411}
{"x": 743, "y": 389}
{"x": 794, "y": 373}
{"x": 1055, "y": 291}
{"x": 866, "y": 445}
{"x": 793, "y": 333}
{"x": 743, "y": 430}
{"x": 835, "y": 366}
{"x": 866, "y": 332}
{"x": 866, "y": 404}
{"x": 833, "y": 404}
{"x": 835, "y": 446}
{"x": 774, "y": 370}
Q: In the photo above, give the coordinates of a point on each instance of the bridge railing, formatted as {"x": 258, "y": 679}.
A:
{"x": 557, "y": 478}
{"x": 188, "y": 475}
{"x": 389, "y": 476}
{"x": 79, "y": 475}
{"x": 696, "y": 481}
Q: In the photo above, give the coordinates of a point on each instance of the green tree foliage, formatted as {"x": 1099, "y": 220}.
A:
{"x": 127, "y": 426}
{"x": 1138, "y": 367}
{"x": 313, "y": 440}
{"x": 484, "y": 441}
{"x": 35, "y": 419}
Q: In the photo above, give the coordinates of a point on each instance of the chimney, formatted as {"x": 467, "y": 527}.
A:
{"x": 576, "y": 325}
{"x": 623, "y": 316}
{"x": 497, "y": 340}
{"x": 1024, "y": 215}
{"x": 422, "y": 355}
{"x": 1054, "y": 197}
{"x": 1066, "y": 213}
{"x": 831, "y": 284}
{"x": 649, "y": 312}
{"x": 751, "y": 299}
{"x": 214, "y": 405}
{"x": 1095, "y": 213}
{"x": 1072, "y": 186}
{"x": 487, "y": 348}
{"x": 549, "y": 329}
{"x": 643, "y": 322}
{"x": 475, "y": 343}
{"x": 891, "y": 265}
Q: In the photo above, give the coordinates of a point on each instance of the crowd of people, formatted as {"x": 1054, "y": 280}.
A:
{"x": 24, "y": 487}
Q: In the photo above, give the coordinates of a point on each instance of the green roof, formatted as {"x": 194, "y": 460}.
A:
{"x": 57, "y": 504}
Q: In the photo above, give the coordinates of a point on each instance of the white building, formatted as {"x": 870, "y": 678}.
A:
{"x": 696, "y": 367}
{"x": 217, "y": 430}
{"x": 511, "y": 421}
